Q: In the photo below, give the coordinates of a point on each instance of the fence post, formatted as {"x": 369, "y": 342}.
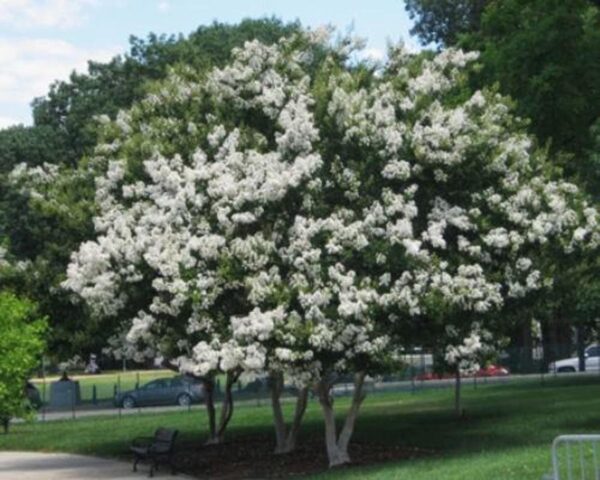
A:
{"x": 44, "y": 399}
{"x": 137, "y": 386}
{"x": 189, "y": 386}
{"x": 94, "y": 395}
{"x": 118, "y": 390}
{"x": 72, "y": 395}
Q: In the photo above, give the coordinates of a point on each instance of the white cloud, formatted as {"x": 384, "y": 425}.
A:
{"x": 163, "y": 6}
{"x": 8, "y": 121}
{"x": 413, "y": 46}
{"x": 44, "y": 13}
{"x": 373, "y": 54}
{"x": 29, "y": 66}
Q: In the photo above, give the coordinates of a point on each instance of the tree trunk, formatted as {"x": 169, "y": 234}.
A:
{"x": 5, "y": 423}
{"x": 337, "y": 446}
{"x": 276, "y": 384}
{"x": 457, "y": 399}
{"x": 286, "y": 439}
{"x": 217, "y": 434}
{"x": 209, "y": 389}
{"x": 301, "y": 403}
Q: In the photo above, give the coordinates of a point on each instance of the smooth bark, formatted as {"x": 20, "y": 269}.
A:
{"x": 457, "y": 398}
{"x": 209, "y": 395}
{"x": 217, "y": 432}
{"x": 286, "y": 438}
{"x": 337, "y": 445}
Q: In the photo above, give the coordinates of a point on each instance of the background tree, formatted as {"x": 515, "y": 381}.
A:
{"x": 442, "y": 22}
{"x": 42, "y": 221}
{"x": 70, "y": 106}
{"x": 546, "y": 55}
{"x": 21, "y": 346}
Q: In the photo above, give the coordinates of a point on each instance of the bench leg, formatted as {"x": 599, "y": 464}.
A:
{"x": 135, "y": 462}
{"x": 153, "y": 467}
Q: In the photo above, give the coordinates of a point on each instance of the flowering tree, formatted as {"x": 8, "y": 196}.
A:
{"x": 300, "y": 214}
{"x": 466, "y": 355}
{"x": 202, "y": 179}
{"x": 436, "y": 211}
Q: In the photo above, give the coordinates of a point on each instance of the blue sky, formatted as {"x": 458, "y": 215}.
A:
{"x": 42, "y": 40}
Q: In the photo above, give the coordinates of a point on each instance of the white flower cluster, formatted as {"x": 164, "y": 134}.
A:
{"x": 466, "y": 355}
{"x": 34, "y": 180}
{"x": 260, "y": 219}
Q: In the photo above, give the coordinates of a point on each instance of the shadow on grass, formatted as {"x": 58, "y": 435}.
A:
{"x": 498, "y": 418}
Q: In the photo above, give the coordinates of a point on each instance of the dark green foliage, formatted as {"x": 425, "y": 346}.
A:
{"x": 546, "y": 55}
{"x": 443, "y": 21}
{"x": 69, "y": 106}
{"x": 31, "y": 145}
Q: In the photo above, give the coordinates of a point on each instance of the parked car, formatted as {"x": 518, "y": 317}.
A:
{"x": 489, "y": 371}
{"x": 180, "y": 390}
{"x": 592, "y": 362}
{"x": 492, "y": 371}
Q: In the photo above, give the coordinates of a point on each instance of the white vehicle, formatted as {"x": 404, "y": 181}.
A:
{"x": 592, "y": 362}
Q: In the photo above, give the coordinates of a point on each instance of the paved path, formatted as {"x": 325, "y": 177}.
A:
{"x": 62, "y": 466}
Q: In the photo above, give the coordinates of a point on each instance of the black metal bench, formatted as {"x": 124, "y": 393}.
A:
{"x": 157, "y": 449}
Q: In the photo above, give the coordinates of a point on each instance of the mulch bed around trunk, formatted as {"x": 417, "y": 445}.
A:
{"x": 251, "y": 457}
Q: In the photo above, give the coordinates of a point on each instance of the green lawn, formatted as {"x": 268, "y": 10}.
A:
{"x": 506, "y": 435}
{"x": 105, "y": 383}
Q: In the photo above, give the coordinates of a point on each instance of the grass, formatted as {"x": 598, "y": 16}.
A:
{"x": 105, "y": 383}
{"x": 506, "y": 434}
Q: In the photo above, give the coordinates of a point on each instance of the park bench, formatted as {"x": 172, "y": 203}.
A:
{"x": 157, "y": 449}
{"x": 575, "y": 457}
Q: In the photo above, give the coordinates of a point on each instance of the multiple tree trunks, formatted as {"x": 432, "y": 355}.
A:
{"x": 286, "y": 438}
{"x": 337, "y": 445}
{"x": 217, "y": 432}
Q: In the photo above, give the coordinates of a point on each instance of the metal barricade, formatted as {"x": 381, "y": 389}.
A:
{"x": 575, "y": 457}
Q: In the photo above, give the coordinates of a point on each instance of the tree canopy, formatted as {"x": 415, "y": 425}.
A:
{"x": 292, "y": 211}
{"x": 444, "y": 21}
